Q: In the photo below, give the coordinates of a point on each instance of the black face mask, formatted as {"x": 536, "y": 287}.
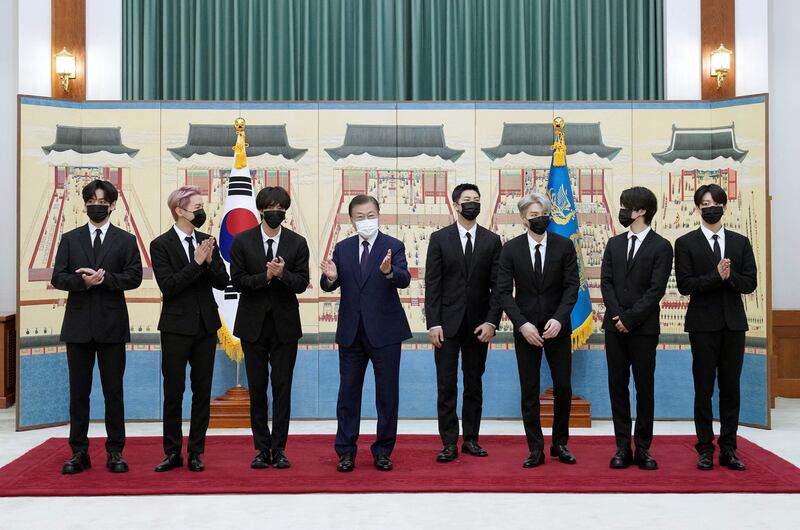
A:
{"x": 273, "y": 218}
{"x": 711, "y": 214}
{"x": 199, "y": 218}
{"x": 625, "y": 217}
{"x": 470, "y": 210}
{"x": 539, "y": 224}
{"x": 97, "y": 212}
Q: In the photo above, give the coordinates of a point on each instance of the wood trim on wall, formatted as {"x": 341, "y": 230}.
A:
{"x": 717, "y": 25}
{"x": 785, "y": 359}
{"x": 68, "y": 30}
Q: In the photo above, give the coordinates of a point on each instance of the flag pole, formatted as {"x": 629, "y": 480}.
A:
{"x": 232, "y": 409}
{"x": 564, "y": 214}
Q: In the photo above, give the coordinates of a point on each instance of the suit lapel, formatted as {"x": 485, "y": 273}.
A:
{"x": 702, "y": 241}
{"x": 86, "y": 243}
{"x": 109, "y": 241}
{"x": 528, "y": 261}
{"x": 477, "y": 247}
{"x": 455, "y": 243}
{"x": 376, "y": 255}
{"x": 283, "y": 244}
{"x": 177, "y": 246}
{"x": 549, "y": 255}
{"x": 729, "y": 243}
{"x": 258, "y": 242}
{"x": 621, "y": 256}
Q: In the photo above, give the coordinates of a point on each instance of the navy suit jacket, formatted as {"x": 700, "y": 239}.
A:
{"x": 373, "y": 299}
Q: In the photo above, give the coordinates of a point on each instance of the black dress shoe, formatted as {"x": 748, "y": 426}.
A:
{"x": 195, "y": 462}
{"x": 731, "y": 461}
{"x": 346, "y": 463}
{"x": 471, "y": 447}
{"x": 261, "y": 461}
{"x": 116, "y": 464}
{"x": 383, "y": 463}
{"x": 705, "y": 462}
{"x": 279, "y": 460}
{"x": 535, "y": 459}
{"x": 78, "y": 462}
{"x": 563, "y": 454}
{"x": 644, "y": 460}
{"x": 448, "y": 454}
{"x": 621, "y": 460}
{"x": 171, "y": 461}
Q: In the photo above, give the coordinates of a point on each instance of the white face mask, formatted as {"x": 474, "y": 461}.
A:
{"x": 367, "y": 228}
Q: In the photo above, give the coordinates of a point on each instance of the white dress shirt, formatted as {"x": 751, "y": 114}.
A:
{"x": 182, "y": 236}
{"x": 710, "y": 237}
{"x": 103, "y": 230}
{"x": 370, "y": 244}
{"x": 275, "y": 240}
{"x": 639, "y": 240}
{"x": 462, "y": 233}
{"x": 542, "y": 250}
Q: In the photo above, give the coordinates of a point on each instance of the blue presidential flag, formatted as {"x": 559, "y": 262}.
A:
{"x": 565, "y": 223}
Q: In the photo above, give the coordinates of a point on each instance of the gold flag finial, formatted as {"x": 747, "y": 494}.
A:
{"x": 559, "y": 147}
{"x": 240, "y": 154}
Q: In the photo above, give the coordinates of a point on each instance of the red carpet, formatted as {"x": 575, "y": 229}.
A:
{"x": 38, "y": 472}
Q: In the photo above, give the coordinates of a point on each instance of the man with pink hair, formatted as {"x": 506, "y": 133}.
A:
{"x": 187, "y": 264}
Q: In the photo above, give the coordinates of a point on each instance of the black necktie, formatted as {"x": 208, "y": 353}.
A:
{"x": 364, "y": 257}
{"x": 634, "y": 239}
{"x": 717, "y": 250}
{"x": 468, "y": 250}
{"x": 97, "y": 243}
{"x": 190, "y": 241}
{"x": 537, "y": 265}
{"x": 270, "y": 256}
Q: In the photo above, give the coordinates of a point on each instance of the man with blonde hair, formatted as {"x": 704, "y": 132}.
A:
{"x": 544, "y": 268}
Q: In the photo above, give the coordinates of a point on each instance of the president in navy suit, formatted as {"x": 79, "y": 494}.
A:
{"x": 369, "y": 268}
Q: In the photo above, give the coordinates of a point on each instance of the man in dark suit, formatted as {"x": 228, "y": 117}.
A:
{"x": 633, "y": 277}
{"x": 715, "y": 267}
{"x": 96, "y": 263}
{"x": 462, "y": 311}
{"x": 187, "y": 264}
{"x": 369, "y": 267}
{"x": 269, "y": 267}
{"x": 544, "y": 268}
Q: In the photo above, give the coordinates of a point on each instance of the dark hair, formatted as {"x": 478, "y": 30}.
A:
{"x": 273, "y": 196}
{"x": 358, "y": 200}
{"x": 109, "y": 191}
{"x": 639, "y": 198}
{"x": 717, "y": 193}
{"x": 461, "y": 188}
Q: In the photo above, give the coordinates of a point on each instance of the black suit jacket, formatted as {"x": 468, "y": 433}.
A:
{"x": 633, "y": 293}
{"x": 186, "y": 286}
{"x": 714, "y": 303}
{"x": 559, "y": 287}
{"x": 98, "y": 313}
{"x": 249, "y": 277}
{"x": 451, "y": 290}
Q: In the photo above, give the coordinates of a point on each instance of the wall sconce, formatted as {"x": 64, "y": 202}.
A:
{"x": 65, "y": 68}
{"x": 720, "y": 64}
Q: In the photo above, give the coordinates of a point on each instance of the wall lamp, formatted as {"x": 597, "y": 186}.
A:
{"x": 65, "y": 68}
{"x": 720, "y": 64}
